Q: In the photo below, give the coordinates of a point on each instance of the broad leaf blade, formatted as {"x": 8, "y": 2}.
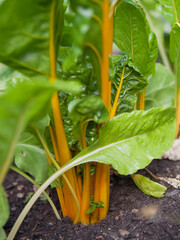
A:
{"x": 149, "y": 187}
{"x": 26, "y": 40}
{"x": 132, "y": 34}
{"x": 130, "y": 141}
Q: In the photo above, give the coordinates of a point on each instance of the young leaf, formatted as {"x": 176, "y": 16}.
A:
{"x": 133, "y": 83}
{"x": 149, "y": 187}
{"x": 170, "y": 9}
{"x": 161, "y": 88}
{"x": 94, "y": 205}
{"x": 88, "y": 108}
{"x": 4, "y": 207}
{"x": 175, "y": 49}
{"x": 31, "y": 157}
{"x": 132, "y": 34}
{"x": 26, "y": 40}
{"x": 130, "y": 141}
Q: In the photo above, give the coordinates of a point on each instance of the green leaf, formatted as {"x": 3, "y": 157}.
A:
{"x": 26, "y": 103}
{"x": 170, "y": 9}
{"x": 132, "y": 34}
{"x": 161, "y": 88}
{"x": 2, "y": 234}
{"x": 86, "y": 28}
{"x": 133, "y": 83}
{"x": 130, "y": 141}
{"x": 175, "y": 49}
{"x": 25, "y": 45}
{"x": 94, "y": 205}
{"x": 28, "y": 197}
{"x": 88, "y": 108}
{"x": 4, "y": 207}
{"x": 30, "y": 157}
{"x": 149, "y": 187}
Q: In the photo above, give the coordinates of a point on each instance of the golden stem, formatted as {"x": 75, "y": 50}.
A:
{"x": 142, "y": 100}
{"x": 62, "y": 145}
{"x": 86, "y": 191}
{"x": 58, "y": 189}
{"x": 114, "y": 108}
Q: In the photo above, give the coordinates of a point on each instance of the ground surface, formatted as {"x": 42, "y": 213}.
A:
{"x": 128, "y": 216}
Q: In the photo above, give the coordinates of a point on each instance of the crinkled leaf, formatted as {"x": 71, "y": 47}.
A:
{"x": 30, "y": 157}
{"x": 161, "y": 88}
{"x": 88, "y": 108}
{"x": 170, "y": 9}
{"x": 94, "y": 205}
{"x": 4, "y": 207}
{"x": 149, "y": 187}
{"x": 130, "y": 141}
{"x": 26, "y": 40}
{"x": 133, "y": 83}
{"x": 132, "y": 34}
{"x": 175, "y": 49}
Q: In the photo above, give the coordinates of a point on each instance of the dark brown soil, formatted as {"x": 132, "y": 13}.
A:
{"x": 127, "y": 219}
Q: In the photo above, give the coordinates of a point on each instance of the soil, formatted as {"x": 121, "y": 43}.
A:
{"x": 132, "y": 214}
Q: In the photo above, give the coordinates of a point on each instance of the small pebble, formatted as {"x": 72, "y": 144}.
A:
{"x": 123, "y": 232}
{"x": 13, "y": 208}
{"x": 15, "y": 183}
{"x": 20, "y": 195}
{"x": 134, "y": 210}
{"x": 20, "y": 187}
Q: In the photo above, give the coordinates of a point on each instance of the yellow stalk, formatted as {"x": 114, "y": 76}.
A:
{"x": 86, "y": 191}
{"x": 114, "y": 108}
{"x": 58, "y": 189}
{"x": 95, "y": 214}
{"x": 177, "y": 112}
{"x": 79, "y": 181}
{"x": 62, "y": 145}
{"x": 107, "y": 40}
{"x": 142, "y": 100}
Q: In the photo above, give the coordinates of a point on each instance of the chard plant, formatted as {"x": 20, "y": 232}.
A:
{"x": 67, "y": 101}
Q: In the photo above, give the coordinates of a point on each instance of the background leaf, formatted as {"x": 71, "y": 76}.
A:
{"x": 170, "y": 9}
{"x": 30, "y": 157}
{"x": 175, "y": 49}
{"x": 149, "y": 187}
{"x": 161, "y": 88}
